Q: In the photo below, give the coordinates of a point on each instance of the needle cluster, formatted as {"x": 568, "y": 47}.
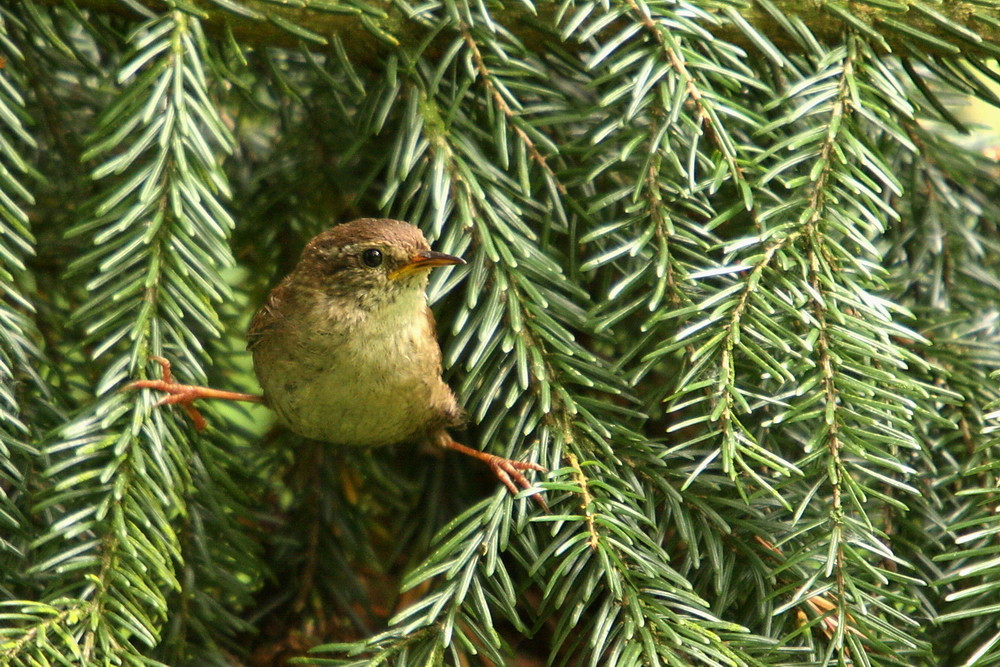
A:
{"x": 736, "y": 288}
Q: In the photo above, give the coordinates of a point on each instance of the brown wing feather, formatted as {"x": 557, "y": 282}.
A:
{"x": 265, "y": 318}
{"x": 451, "y": 414}
{"x": 432, "y": 326}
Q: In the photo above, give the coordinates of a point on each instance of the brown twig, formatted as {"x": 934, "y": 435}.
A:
{"x": 509, "y": 113}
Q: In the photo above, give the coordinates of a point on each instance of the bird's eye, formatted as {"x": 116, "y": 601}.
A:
{"x": 372, "y": 257}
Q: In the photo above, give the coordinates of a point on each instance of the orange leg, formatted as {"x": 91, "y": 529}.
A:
{"x": 504, "y": 469}
{"x": 186, "y": 394}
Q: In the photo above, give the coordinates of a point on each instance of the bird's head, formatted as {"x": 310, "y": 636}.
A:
{"x": 372, "y": 260}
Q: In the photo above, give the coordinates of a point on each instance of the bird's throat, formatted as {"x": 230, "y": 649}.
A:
{"x": 375, "y": 313}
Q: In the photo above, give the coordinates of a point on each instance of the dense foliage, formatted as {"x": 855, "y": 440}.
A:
{"x": 734, "y": 278}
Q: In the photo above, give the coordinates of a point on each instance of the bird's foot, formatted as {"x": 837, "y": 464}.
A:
{"x": 508, "y": 471}
{"x": 185, "y": 395}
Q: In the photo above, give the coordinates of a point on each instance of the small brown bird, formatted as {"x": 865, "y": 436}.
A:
{"x": 346, "y": 351}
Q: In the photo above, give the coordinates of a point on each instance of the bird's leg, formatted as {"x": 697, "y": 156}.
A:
{"x": 507, "y": 471}
{"x": 186, "y": 394}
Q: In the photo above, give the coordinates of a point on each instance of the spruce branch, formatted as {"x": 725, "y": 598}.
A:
{"x": 839, "y": 405}
{"x": 764, "y": 214}
{"x": 160, "y": 233}
{"x": 706, "y": 115}
{"x": 25, "y": 396}
{"x": 548, "y": 386}
{"x": 505, "y": 109}
{"x": 373, "y": 26}
{"x": 972, "y": 560}
{"x": 26, "y": 629}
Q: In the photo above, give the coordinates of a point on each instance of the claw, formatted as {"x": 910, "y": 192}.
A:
{"x": 185, "y": 395}
{"x": 179, "y": 394}
{"x": 504, "y": 469}
{"x": 165, "y": 373}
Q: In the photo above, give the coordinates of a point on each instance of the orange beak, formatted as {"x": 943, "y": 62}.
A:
{"x": 423, "y": 261}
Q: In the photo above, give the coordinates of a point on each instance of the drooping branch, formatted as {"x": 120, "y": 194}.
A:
{"x": 366, "y": 28}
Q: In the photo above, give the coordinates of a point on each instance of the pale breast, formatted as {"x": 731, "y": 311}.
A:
{"x": 372, "y": 383}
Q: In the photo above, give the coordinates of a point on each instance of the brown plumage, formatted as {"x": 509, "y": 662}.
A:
{"x": 346, "y": 350}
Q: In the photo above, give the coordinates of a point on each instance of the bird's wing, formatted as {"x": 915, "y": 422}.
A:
{"x": 432, "y": 327}
{"x": 451, "y": 414}
{"x": 268, "y": 315}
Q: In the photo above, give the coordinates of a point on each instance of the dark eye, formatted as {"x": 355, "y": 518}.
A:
{"x": 372, "y": 257}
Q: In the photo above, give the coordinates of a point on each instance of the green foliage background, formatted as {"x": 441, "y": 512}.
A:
{"x": 732, "y": 278}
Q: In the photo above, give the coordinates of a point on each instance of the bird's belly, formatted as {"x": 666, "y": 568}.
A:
{"x": 351, "y": 408}
{"x": 367, "y": 390}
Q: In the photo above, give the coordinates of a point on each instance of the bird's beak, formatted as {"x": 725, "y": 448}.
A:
{"x": 423, "y": 261}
